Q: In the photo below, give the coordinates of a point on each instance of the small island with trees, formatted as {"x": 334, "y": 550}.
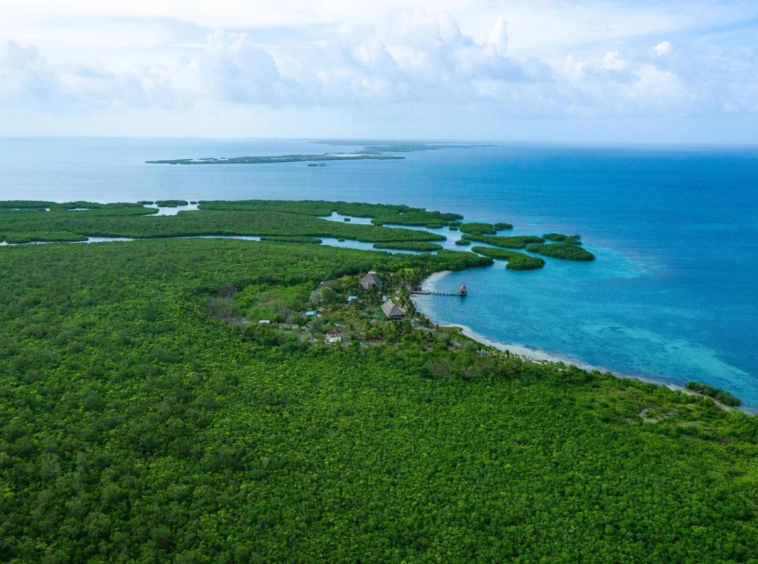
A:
{"x": 516, "y": 261}
{"x": 565, "y": 251}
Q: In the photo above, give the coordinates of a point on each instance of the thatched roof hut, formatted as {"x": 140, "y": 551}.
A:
{"x": 370, "y": 280}
{"x": 392, "y": 310}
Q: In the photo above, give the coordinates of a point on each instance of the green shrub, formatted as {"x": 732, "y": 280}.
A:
{"x": 716, "y": 393}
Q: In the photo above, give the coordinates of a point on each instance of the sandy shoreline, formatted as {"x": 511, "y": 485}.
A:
{"x": 536, "y": 355}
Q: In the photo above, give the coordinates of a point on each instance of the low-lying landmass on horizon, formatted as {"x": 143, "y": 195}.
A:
{"x": 326, "y": 157}
{"x": 371, "y": 150}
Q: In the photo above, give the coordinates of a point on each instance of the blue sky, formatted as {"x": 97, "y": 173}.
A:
{"x": 545, "y": 70}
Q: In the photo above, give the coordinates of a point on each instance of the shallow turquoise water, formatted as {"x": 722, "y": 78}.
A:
{"x": 673, "y": 294}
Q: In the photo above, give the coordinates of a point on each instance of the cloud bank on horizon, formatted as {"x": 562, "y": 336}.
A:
{"x": 546, "y": 70}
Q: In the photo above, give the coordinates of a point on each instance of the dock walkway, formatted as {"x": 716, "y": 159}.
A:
{"x": 462, "y": 293}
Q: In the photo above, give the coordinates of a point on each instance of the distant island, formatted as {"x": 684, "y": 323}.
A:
{"x": 369, "y": 150}
{"x": 400, "y": 146}
{"x": 281, "y": 159}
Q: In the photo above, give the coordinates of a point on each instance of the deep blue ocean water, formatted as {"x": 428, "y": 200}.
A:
{"x": 674, "y": 292}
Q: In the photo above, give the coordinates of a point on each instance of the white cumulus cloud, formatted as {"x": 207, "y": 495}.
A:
{"x": 234, "y": 69}
{"x": 613, "y": 61}
{"x": 412, "y": 57}
{"x": 407, "y": 63}
{"x": 25, "y": 77}
{"x": 663, "y": 48}
{"x": 499, "y": 36}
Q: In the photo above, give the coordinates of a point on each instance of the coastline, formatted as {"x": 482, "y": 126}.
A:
{"x": 537, "y": 355}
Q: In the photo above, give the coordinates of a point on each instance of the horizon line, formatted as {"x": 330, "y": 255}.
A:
{"x": 336, "y": 140}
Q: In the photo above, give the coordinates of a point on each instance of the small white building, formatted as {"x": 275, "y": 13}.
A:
{"x": 333, "y": 336}
{"x": 265, "y": 322}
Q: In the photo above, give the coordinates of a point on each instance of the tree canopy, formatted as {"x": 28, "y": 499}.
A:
{"x": 138, "y": 426}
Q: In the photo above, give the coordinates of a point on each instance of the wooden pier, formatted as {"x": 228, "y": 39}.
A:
{"x": 462, "y": 293}
{"x": 455, "y": 294}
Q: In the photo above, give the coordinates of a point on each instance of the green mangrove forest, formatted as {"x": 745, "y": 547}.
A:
{"x": 478, "y": 228}
{"x": 482, "y": 228}
{"x": 421, "y": 246}
{"x": 516, "y": 261}
{"x": 175, "y": 399}
{"x": 719, "y": 395}
{"x": 561, "y": 238}
{"x": 29, "y": 222}
{"x": 286, "y": 239}
{"x": 148, "y": 416}
{"x": 171, "y": 203}
{"x": 379, "y": 213}
{"x": 508, "y": 242}
{"x": 565, "y": 251}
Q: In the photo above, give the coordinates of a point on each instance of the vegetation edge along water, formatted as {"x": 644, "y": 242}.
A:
{"x": 516, "y": 260}
{"x": 566, "y": 251}
{"x": 148, "y": 416}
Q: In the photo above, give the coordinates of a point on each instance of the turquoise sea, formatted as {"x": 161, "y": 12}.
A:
{"x": 673, "y": 295}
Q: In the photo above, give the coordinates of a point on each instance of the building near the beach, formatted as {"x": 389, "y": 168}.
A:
{"x": 370, "y": 280}
{"x": 392, "y": 310}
